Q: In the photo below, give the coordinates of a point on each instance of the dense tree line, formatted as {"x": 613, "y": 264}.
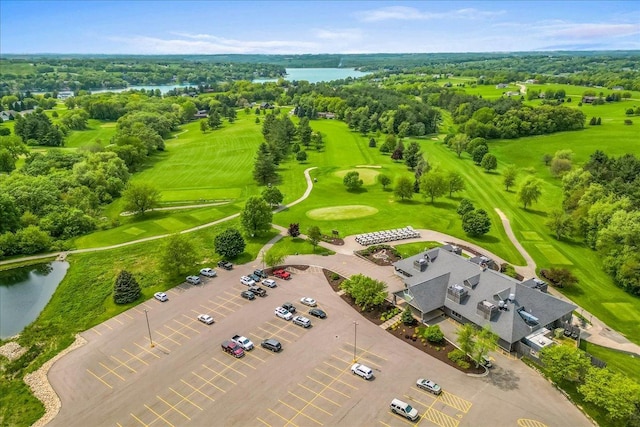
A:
{"x": 603, "y": 200}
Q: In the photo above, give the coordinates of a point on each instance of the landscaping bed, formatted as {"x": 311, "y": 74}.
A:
{"x": 332, "y": 240}
{"x": 438, "y": 351}
{"x": 383, "y": 255}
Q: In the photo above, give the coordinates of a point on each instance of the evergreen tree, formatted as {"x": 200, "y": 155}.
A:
{"x": 412, "y": 155}
{"x": 126, "y": 288}
{"x": 264, "y": 170}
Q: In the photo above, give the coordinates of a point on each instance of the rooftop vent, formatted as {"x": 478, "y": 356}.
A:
{"x": 512, "y": 297}
{"x": 486, "y": 309}
{"x": 420, "y": 264}
{"x": 457, "y": 293}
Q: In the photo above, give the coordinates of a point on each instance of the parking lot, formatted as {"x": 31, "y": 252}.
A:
{"x": 185, "y": 378}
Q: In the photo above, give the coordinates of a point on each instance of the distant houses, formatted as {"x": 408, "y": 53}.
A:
{"x": 588, "y": 99}
{"x": 64, "y": 94}
{"x": 502, "y": 86}
{"x": 200, "y": 114}
{"x": 326, "y": 115}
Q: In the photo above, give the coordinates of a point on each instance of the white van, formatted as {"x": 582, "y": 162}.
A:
{"x": 364, "y": 371}
{"x": 401, "y": 408}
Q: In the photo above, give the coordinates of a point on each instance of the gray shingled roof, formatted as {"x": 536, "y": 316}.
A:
{"x": 429, "y": 290}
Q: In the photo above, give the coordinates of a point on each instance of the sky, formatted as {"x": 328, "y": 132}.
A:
{"x": 296, "y": 27}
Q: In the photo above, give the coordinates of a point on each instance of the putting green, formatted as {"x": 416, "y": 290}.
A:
{"x": 368, "y": 176}
{"x": 134, "y": 231}
{"x": 531, "y": 235}
{"x": 552, "y": 254}
{"x": 341, "y": 212}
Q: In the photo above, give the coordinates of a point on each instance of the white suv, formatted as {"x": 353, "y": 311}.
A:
{"x": 245, "y": 280}
{"x": 283, "y": 313}
{"x": 364, "y": 371}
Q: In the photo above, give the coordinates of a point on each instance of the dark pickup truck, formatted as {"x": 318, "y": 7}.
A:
{"x": 232, "y": 348}
{"x": 258, "y": 291}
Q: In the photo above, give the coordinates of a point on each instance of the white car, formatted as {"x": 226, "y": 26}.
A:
{"x": 269, "y": 283}
{"x": 245, "y": 280}
{"x": 362, "y": 370}
{"x": 194, "y": 280}
{"x": 161, "y": 296}
{"x": 283, "y": 313}
{"x": 429, "y": 386}
{"x": 205, "y": 318}
{"x": 308, "y": 301}
{"x": 209, "y": 272}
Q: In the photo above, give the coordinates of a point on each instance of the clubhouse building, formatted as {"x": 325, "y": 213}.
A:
{"x": 441, "y": 282}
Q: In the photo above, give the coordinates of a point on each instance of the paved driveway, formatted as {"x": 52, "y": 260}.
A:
{"x": 185, "y": 379}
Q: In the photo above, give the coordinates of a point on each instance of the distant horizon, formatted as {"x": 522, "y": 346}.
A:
{"x": 100, "y": 27}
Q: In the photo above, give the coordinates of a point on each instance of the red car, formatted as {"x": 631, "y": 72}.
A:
{"x": 282, "y": 274}
{"x": 232, "y": 348}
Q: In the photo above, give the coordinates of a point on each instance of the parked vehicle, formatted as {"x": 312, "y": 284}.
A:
{"x": 362, "y": 370}
{"x": 402, "y": 408}
{"x": 209, "y": 272}
{"x": 255, "y": 277}
{"x": 205, "y": 318}
{"x": 194, "y": 280}
{"x": 308, "y": 301}
{"x": 258, "y": 291}
{"x": 225, "y": 264}
{"x": 269, "y": 283}
{"x": 429, "y": 386}
{"x": 161, "y": 296}
{"x": 271, "y": 344}
{"x": 232, "y": 348}
{"x": 317, "y": 313}
{"x": 247, "y": 281}
{"x": 243, "y": 342}
{"x": 486, "y": 362}
{"x": 283, "y": 313}
{"x": 302, "y": 321}
{"x": 248, "y": 295}
{"x": 282, "y": 274}
{"x": 289, "y": 307}
{"x": 260, "y": 273}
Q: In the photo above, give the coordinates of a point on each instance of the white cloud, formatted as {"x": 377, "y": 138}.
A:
{"x": 405, "y": 13}
{"x": 186, "y": 43}
{"x": 589, "y": 31}
{"x": 347, "y": 35}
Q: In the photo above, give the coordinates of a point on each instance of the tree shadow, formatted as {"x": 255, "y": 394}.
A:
{"x": 488, "y": 239}
{"x": 409, "y": 201}
{"x": 443, "y": 205}
{"x": 504, "y": 379}
{"x": 541, "y": 214}
{"x": 358, "y": 190}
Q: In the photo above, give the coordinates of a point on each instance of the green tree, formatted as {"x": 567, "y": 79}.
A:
{"x": 203, "y": 126}
{"x": 479, "y": 153}
{"x": 214, "y": 121}
{"x": 366, "y": 292}
{"x": 14, "y": 146}
{"x": 274, "y": 258}
{"x": 301, "y": 156}
{"x": 464, "y": 207}
{"x": 616, "y": 393}
{"x": 318, "y": 142}
{"x": 264, "y": 169}
{"x": 509, "y": 176}
{"x": 455, "y": 182}
{"x": 466, "y": 335}
{"x": 530, "y": 191}
{"x": 229, "y": 243}
{"x": 304, "y": 131}
{"x": 294, "y": 229}
{"x": 564, "y": 363}
{"x": 272, "y": 195}
{"x": 485, "y": 340}
{"x": 412, "y": 155}
{"x": 126, "y": 288}
{"x": 7, "y": 163}
{"x": 433, "y": 334}
{"x": 403, "y": 188}
{"x": 476, "y": 222}
{"x": 384, "y": 180}
{"x": 314, "y": 235}
{"x": 433, "y": 184}
{"x": 352, "y": 181}
{"x": 459, "y": 143}
{"x": 559, "y": 223}
{"x": 256, "y": 216}
{"x": 489, "y": 162}
{"x": 177, "y": 256}
{"x": 140, "y": 197}
{"x": 560, "y": 166}
{"x": 9, "y": 214}
{"x": 407, "y": 316}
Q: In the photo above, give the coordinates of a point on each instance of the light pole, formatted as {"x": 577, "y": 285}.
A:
{"x": 355, "y": 340}
{"x": 146, "y": 314}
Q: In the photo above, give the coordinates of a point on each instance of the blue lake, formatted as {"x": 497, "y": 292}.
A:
{"x": 24, "y": 292}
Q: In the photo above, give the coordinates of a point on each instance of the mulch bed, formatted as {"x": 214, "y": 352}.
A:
{"x": 373, "y": 315}
{"x": 333, "y": 240}
{"x": 438, "y": 351}
{"x": 373, "y": 254}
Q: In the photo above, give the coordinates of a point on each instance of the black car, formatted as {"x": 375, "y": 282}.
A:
{"x": 225, "y": 264}
{"x": 289, "y": 307}
{"x": 258, "y": 291}
{"x": 261, "y": 274}
{"x": 317, "y": 313}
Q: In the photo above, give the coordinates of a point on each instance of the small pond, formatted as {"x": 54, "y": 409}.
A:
{"x": 25, "y": 291}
